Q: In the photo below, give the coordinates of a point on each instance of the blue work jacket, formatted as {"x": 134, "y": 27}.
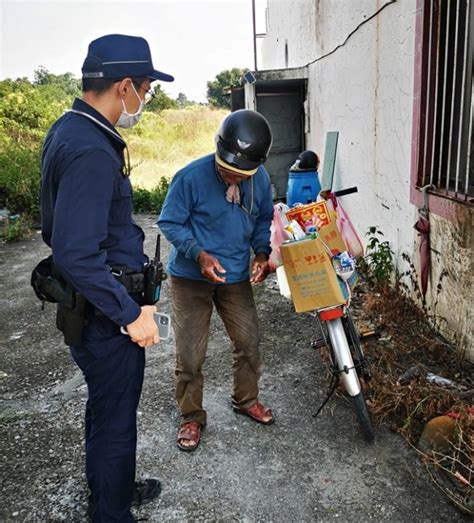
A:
{"x": 86, "y": 210}
{"x": 197, "y": 217}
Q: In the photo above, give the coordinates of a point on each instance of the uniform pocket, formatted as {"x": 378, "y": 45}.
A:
{"x": 99, "y": 335}
{"x": 122, "y": 203}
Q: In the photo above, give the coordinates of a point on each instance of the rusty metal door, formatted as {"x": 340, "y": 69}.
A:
{"x": 282, "y": 103}
{"x": 283, "y": 108}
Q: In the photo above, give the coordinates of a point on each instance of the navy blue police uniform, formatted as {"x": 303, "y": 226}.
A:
{"x": 87, "y": 221}
{"x": 86, "y": 206}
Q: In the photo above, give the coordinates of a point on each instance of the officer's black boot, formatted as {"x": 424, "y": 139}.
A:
{"x": 145, "y": 492}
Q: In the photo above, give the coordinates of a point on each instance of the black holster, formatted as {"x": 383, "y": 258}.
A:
{"x": 71, "y": 316}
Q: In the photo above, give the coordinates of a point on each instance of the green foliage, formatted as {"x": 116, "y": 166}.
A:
{"x": 20, "y": 179}
{"x": 164, "y": 140}
{"x": 160, "y": 102}
{"x": 218, "y": 89}
{"x": 7, "y": 417}
{"x": 27, "y": 110}
{"x": 377, "y": 264}
{"x": 65, "y": 83}
{"x": 12, "y": 230}
{"x": 151, "y": 201}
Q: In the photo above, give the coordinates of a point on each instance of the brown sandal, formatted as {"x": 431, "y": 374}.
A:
{"x": 257, "y": 412}
{"x": 190, "y": 431}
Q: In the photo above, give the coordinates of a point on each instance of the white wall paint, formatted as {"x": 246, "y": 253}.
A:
{"x": 364, "y": 90}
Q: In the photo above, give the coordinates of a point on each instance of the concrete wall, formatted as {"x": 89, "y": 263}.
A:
{"x": 364, "y": 90}
{"x": 451, "y": 290}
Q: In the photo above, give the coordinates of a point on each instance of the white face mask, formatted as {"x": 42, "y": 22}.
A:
{"x": 127, "y": 119}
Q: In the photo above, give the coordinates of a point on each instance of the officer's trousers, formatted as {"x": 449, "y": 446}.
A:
{"x": 113, "y": 368}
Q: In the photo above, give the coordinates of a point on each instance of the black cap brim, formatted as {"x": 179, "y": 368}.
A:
{"x": 158, "y": 75}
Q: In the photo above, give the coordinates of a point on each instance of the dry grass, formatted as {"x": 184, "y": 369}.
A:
{"x": 409, "y": 343}
{"x": 452, "y": 470}
{"x": 163, "y": 143}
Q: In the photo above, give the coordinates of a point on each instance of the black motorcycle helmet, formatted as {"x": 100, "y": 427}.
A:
{"x": 308, "y": 160}
{"x": 243, "y": 139}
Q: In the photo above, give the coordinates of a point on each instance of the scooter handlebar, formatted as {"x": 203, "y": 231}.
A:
{"x": 343, "y": 192}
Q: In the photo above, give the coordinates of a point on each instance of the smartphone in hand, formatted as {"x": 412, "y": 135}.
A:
{"x": 164, "y": 324}
{"x": 163, "y": 321}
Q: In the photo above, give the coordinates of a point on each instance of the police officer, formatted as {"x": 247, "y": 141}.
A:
{"x": 86, "y": 207}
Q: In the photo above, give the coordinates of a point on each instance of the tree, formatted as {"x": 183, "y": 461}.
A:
{"x": 160, "y": 101}
{"x": 182, "y": 100}
{"x": 65, "y": 82}
{"x": 26, "y": 112}
{"x": 217, "y": 90}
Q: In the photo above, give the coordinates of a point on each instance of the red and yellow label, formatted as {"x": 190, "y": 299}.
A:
{"x": 314, "y": 214}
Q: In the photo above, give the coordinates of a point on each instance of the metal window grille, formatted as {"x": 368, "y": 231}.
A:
{"x": 446, "y": 154}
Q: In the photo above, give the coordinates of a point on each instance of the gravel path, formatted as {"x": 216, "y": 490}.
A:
{"x": 299, "y": 469}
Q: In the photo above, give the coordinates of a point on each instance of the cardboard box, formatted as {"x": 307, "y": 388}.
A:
{"x": 311, "y": 277}
{"x": 332, "y": 238}
{"x": 315, "y": 214}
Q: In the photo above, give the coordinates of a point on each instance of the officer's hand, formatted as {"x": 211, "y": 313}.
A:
{"x": 144, "y": 329}
{"x": 210, "y": 267}
{"x": 260, "y": 268}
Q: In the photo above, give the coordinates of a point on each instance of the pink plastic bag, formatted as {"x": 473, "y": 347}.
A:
{"x": 278, "y": 235}
{"x": 348, "y": 232}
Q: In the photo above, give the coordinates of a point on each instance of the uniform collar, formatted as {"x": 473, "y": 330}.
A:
{"x": 84, "y": 107}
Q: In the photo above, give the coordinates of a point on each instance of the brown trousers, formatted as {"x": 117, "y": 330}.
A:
{"x": 192, "y": 306}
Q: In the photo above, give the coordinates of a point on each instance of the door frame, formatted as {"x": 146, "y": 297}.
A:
{"x": 279, "y": 77}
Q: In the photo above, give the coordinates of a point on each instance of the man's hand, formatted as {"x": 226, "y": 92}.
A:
{"x": 210, "y": 267}
{"x": 144, "y": 329}
{"x": 260, "y": 268}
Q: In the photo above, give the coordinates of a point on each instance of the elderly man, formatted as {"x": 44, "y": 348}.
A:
{"x": 217, "y": 209}
{"x": 86, "y": 207}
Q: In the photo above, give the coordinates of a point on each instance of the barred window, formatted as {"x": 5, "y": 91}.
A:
{"x": 446, "y": 156}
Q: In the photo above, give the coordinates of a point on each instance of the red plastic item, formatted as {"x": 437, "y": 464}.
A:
{"x": 348, "y": 232}
{"x": 331, "y": 314}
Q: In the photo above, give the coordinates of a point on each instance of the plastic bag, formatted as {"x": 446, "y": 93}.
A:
{"x": 348, "y": 232}
{"x": 278, "y": 234}
{"x": 282, "y": 281}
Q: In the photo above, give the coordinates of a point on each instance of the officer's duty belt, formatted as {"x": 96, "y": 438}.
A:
{"x": 133, "y": 282}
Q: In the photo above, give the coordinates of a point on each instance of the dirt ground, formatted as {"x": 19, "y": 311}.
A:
{"x": 299, "y": 469}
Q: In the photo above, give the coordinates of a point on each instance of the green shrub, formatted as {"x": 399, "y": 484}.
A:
{"x": 141, "y": 199}
{"x": 150, "y": 201}
{"x": 26, "y": 112}
{"x": 162, "y": 143}
{"x": 20, "y": 179}
{"x": 12, "y": 230}
{"x": 377, "y": 264}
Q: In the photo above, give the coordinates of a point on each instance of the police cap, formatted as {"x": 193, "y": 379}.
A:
{"x": 119, "y": 56}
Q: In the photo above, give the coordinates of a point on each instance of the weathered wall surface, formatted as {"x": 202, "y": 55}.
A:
{"x": 451, "y": 291}
{"x": 364, "y": 90}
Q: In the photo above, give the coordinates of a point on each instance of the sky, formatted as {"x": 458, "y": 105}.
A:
{"x": 192, "y": 40}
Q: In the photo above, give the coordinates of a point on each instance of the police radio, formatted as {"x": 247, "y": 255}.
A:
{"x": 154, "y": 275}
